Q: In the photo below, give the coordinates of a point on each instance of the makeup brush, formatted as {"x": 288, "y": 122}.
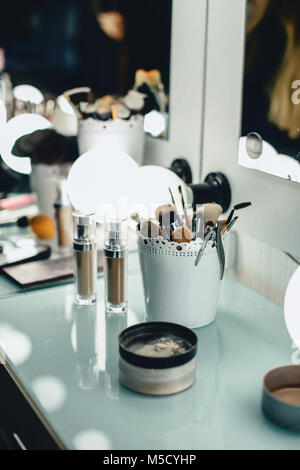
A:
{"x": 212, "y": 212}
{"x": 167, "y": 224}
{"x": 185, "y": 214}
{"x": 114, "y": 112}
{"x": 150, "y": 229}
{"x": 223, "y": 226}
{"x": 230, "y": 225}
{"x": 168, "y": 212}
{"x": 162, "y": 209}
{"x": 136, "y": 218}
{"x": 182, "y": 234}
{"x": 198, "y": 223}
{"x": 237, "y": 207}
{"x": 178, "y": 219}
{"x": 172, "y": 197}
{"x": 74, "y": 107}
{"x": 159, "y": 216}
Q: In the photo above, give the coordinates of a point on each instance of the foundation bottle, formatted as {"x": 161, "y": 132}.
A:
{"x": 115, "y": 266}
{"x": 85, "y": 258}
{"x": 63, "y": 217}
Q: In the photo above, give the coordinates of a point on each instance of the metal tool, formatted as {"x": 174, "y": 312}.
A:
{"x": 211, "y": 235}
{"x": 230, "y": 225}
{"x": 220, "y": 249}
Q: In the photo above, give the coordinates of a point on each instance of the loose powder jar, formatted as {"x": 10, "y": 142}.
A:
{"x": 157, "y": 358}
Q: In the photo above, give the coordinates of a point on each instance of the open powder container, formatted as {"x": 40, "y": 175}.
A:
{"x": 157, "y": 358}
{"x": 281, "y": 396}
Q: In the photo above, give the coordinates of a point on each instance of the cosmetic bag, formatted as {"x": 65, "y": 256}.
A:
{"x": 123, "y": 135}
{"x": 176, "y": 290}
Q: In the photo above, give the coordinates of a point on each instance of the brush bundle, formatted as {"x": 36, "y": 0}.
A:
{"x": 182, "y": 260}
{"x": 118, "y": 121}
{"x": 147, "y": 95}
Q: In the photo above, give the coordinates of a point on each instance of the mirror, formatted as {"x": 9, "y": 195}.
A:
{"x": 270, "y": 134}
{"x": 61, "y": 44}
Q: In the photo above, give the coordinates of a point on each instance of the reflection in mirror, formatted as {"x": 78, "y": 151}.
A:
{"x": 58, "y": 45}
{"x": 270, "y": 137}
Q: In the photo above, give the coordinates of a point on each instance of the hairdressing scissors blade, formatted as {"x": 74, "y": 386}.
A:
{"x": 209, "y": 236}
{"x": 220, "y": 249}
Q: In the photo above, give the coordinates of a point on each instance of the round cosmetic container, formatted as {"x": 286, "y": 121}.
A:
{"x": 157, "y": 358}
{"x": 281, "y": 396}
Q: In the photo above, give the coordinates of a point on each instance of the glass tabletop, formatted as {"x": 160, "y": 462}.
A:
{"x": 66, "y": 359}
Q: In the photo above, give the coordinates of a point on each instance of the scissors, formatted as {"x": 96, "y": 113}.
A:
{"x": 216, "y": 237}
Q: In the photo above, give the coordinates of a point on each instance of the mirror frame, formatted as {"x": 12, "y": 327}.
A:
{"x": 275, "y": 215}
{"x": 187, "y": 82}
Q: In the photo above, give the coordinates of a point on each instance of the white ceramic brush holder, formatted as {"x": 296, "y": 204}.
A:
{"x": 175, "y": 289}
{"x": 123, "y": 135}
{"x": 43, "y": 182}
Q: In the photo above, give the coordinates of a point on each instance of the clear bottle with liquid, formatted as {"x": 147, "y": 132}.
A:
{"x": 115, "y": 266}
{"x": 85, "y": 258}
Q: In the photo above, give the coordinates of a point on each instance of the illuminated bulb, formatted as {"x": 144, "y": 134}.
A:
{"x": 269, "y": 161}
{"x": 291, "y": 307}
{"x": 28, "y": 93}
{"x": 154, "y": 123}
{"x": 102, "y": 182}
{"x": 13, "y": 130}
{"x": 65, "y": 105}
{"x": 65, "y": 120}
{"x": 152, "y": 189}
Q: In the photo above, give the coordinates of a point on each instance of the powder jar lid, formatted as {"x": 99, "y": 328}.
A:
{"x": 157, "y": 345}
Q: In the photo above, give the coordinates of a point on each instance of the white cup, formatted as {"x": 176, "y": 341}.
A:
{"x": 123, "y": 135}
{"x": 175, "y": 289}
{"x": 43, "y": 182}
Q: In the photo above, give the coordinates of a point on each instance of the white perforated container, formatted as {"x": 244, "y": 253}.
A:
{"x": 123, "y": 135}
{"x": 175, "y": 289}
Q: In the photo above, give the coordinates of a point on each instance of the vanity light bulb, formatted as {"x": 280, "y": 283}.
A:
{"x": 154, "y": 123}
{"x": 64, "y": 105}
{"x": 28, "y": 93}
{"x": 153, "y": 187}
{"x": 291, "y": 308}
{"x": 98, "y": 181}
{"x": 64, "y": 118}
{"x": 13, "y": 130}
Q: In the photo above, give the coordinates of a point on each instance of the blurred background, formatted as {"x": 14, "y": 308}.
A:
{"x": 59, "y": 44}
